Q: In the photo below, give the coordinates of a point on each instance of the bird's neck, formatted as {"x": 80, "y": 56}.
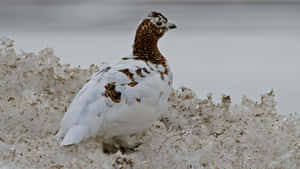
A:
{"x": 146, "y": 48}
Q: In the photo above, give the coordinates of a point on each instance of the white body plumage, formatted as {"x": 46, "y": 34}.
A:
{"x": 92, "y": 113}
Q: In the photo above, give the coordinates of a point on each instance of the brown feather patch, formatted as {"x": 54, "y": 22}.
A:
{"x": 132, "y": 84}
{"x": 139, "y": 72}
{"x": 145, "y": 43}
{"x": 110, "y": 91}
{"x": 145, "y": 46}
{"x": 138, "y": 100}
{"x": 127, "y": 73}
{"x": 162, "y": 76}
{"x": 145, "y": 70}
{"x": 125, "y": 58}
{"x": 130, "y": 76}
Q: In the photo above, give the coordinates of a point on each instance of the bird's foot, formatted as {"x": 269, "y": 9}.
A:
{"x": 129, "y": 149}
{"x": 109, "y": 148}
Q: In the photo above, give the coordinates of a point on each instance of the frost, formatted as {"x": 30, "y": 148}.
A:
{"x": 35, "y": 91}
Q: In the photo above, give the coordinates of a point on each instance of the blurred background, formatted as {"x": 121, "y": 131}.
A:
{"x": 236, "y": 47}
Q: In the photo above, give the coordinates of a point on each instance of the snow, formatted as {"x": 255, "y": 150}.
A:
{"x": 196, "y": 132}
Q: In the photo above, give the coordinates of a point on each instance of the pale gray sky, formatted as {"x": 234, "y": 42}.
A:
{"x": 98, "y": 16}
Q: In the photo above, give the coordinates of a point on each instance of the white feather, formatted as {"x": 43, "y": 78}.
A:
{"x": 91, "y": 113}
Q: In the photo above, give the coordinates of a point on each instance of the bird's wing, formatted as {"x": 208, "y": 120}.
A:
{"x": 122, "y": 84}
{"x": 71, "y": 128}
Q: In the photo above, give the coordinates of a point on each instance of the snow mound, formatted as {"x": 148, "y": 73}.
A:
{"x": 35, "y": 91}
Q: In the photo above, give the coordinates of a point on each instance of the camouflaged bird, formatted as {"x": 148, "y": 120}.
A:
{"x": 126, "y": 98}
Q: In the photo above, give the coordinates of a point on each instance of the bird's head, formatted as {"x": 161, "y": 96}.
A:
{"x": 155, "y": 24}
{"x": 152, "y": 28}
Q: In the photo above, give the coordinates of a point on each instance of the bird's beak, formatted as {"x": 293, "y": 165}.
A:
{"x": 171, "y": 25}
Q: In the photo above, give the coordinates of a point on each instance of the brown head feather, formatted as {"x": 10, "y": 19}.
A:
{"x": 146, "y": 39}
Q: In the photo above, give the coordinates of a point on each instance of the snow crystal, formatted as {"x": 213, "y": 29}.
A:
{"x": 35, "y": 91}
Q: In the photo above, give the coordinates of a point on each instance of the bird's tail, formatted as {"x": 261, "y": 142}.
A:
{"x": 74, "y": 135}
{"x": 60, "y": 134}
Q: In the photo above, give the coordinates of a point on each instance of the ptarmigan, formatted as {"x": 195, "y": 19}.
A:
{"x": 126, "y": 98}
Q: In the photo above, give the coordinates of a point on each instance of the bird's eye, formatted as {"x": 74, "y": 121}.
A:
{"x": 159, "y": 23}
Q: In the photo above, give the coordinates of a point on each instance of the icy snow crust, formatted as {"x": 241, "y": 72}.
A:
{"x": 35, "y": 91}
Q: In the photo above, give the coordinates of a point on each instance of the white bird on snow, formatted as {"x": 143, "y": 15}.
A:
{"x": 126, "y": 98}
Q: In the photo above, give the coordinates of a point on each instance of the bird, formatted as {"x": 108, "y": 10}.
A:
{"x": 123, "y": 99}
